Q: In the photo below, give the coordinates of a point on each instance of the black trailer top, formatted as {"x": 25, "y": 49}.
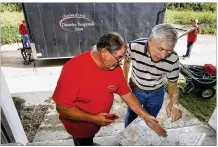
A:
{"x": 60, "y": 30}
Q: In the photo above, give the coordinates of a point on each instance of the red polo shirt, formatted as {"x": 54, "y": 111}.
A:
{"x": 83, "y": 84}
{"x": 192, "y": 37}
{"x": 23, "y": 29}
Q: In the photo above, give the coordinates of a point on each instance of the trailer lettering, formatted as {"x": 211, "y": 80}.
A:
{"x": 75, "y": 22}
{"x": 79, "y": 29}
{"x": 69, "y": 25}
{"x": 86, "y": 24}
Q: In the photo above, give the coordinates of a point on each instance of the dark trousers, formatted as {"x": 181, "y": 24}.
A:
{"x": 83, "y": 141}
{"x": 189, "y": 48}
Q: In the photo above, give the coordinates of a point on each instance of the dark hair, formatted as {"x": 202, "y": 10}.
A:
{"x": 112, "y": 41}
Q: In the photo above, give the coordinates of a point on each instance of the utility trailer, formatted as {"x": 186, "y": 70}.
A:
{"x": 63, "y": 30}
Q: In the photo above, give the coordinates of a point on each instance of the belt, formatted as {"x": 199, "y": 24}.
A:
{"x": 134, "y": 86}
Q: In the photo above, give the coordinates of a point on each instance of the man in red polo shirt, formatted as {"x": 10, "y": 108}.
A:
{"x": 192, "y": 37}
{"x": 84, "y": 91}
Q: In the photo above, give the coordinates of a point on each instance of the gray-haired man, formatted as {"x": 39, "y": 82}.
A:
{"x": 153, "y": 62}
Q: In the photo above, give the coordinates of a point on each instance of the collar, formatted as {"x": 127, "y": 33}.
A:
{"x": 146, "y": 49}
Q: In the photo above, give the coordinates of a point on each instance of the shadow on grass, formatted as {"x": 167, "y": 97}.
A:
{"x": 201, "y": 108}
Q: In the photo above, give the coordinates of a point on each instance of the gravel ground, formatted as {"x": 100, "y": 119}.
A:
{"x": 31, "y": 116}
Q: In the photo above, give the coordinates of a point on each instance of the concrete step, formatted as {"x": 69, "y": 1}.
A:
{"x": 34, "y": 98}
{"x": 68, "y": 142}
{"x": 51, "y": 129}
{"x": 210, "y": 139}
{"x": 103, "y": 141}
{"x": 107, "y": 141}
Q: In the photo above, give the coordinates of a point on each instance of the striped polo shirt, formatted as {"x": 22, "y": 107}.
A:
{"x": 146, "y": 74}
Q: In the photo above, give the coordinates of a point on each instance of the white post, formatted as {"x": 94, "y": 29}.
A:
{"x": 213, "y": 120}
{"x": 11, "y": 114}
{"x": 33, "y": 48}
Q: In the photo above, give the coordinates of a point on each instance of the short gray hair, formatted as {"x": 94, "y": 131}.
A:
{"x": 165, "y": 34}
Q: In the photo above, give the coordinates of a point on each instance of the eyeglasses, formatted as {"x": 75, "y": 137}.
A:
{"x": 119, "y": 59}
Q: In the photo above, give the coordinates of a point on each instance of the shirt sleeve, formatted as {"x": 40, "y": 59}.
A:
{"x": 123, "y": 86}
{"x": 198, "y": 29}
{"x": 20, "y": 29}
{"x": 67, "y": 89}
{"x": 128, "y": 53}
{"x": 173, "y": 75}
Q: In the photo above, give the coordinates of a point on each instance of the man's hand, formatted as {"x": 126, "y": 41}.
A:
{"x": 101, "y": 120}
{"x": 174, "y": 112}
{"x": 153, "y": 123}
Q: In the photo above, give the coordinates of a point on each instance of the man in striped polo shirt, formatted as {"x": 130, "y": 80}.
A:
{"x": 154, "y": 62}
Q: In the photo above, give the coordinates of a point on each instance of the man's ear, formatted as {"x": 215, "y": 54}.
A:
{"x": 150, "y": 40}
{"x": 103, "y": 50}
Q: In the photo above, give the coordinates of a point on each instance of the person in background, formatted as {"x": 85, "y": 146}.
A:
{"x": 24, "y": 34}
{"x": 192, "y": 37}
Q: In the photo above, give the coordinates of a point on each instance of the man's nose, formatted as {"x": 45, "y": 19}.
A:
{"x": 163, "y": 54}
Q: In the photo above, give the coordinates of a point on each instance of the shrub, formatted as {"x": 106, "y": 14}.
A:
{"x": 192, "y": 6}
{"x": 9, "y": 27}
{"x": 11, "y": 7}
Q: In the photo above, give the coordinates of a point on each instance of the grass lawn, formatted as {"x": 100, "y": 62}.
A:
{"x": 207, "y": 20}
{"x": 201, "y": 108}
